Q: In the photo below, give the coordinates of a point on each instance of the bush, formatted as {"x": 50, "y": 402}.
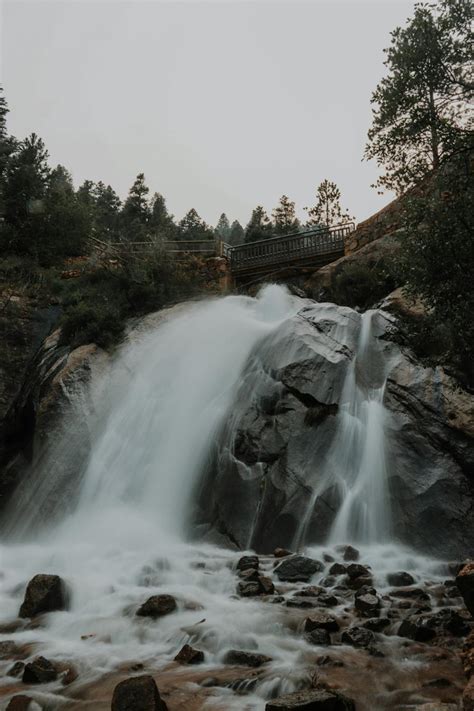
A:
{"x": 361, "y": 284}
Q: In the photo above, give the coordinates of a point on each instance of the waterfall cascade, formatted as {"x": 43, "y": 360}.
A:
{"x": 168, "y": 395}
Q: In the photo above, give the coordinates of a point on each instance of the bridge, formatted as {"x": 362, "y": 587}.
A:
{"x": 251, "y": 261}
{"x": 310, "y": 248}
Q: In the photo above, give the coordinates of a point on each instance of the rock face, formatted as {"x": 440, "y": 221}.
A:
{"x": 44, "y": 593}
{"x": 270, "y": 455}
{"x": 465, "y": 583}
{"x": 139, "y": 692}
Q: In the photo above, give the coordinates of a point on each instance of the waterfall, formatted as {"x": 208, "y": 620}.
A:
{"x": 356, "y": 463}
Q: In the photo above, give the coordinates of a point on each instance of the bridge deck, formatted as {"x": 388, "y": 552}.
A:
{"x": 315, "y": 247}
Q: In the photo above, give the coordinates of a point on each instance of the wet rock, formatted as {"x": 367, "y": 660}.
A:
{"x": 298, "y": 568}
{"x": 321, "y": 620}
{"x": 44, "y": 593}
{"x": 246, "y": 659}
{"x": 351, "y": 553}
{"x": 363, "y": 581}
{"x": 302, "y": 603}
{"x": 248, "y": 562}
{"x": 410, "y": 593}
{"x": 9, "y": 648}
{"x": 16, "y": 670}
{"x": 448, "y": 622}
{"x": 281, "y": 552}
{"x": 328, "y": 558}
{"x": 338, "y": 569}
{"x": 359, "y": 637}
{"x": 320, "y": 637}
{"x": 465, "y": 583}
{"x": 312, "y": 700}
{"x": 309, "y": 591}
{"x": 249, "y": 574}
{"x": 39, "y": 671}
{"x": 368, "y": 605}
{"x": 356, "y": 570}
{"x": 328, "y": 600}
{"x": 255, "y": 586}
{"x": 328, "y": 582}
{"x": 468, "y": 696}
{"x": 139, "y": 693}
{"x": 189, "y": 655}
{"x": 20, "y": 702}
{"x": 376, "y": 624}
{"x": 157, "y": 606}
{"x": 400, "y": 579}
{"x": 417, "y": 629}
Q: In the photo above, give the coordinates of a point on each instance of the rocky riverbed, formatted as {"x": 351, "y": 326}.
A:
{"x": 334, "y": 628}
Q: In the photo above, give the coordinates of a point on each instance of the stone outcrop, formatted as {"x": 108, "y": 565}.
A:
{"x": 139, "y": 692}
{"x": 271, "y": 452}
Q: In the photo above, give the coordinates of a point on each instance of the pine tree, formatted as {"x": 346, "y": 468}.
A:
{"x": 106, "y": 211}
{"x": 26, "y": 178}
{"x": 222, "y": 229}
{"x": 161, "y": 222}
{"x": 192, "y": 227}
{"x": 236, "y": 234}
{"x": 136, "y": 211}
{"x": 420, "y": 112}
{"x": 284, "y": 217}
{"x": 259, "y": 226}
{"x": 327, "y": 211}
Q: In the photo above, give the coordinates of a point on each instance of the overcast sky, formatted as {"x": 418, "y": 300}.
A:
{"x": 223, "y": 105}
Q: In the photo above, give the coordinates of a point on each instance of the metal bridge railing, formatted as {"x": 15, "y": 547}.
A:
{"x": 290, "y": 248}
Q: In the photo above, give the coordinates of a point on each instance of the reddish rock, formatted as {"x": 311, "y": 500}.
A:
{"x": 139, "y": 693}
{"x": 246, "y": 659}
{"x": 313, "y": 700}
{"x": 157, "y": 606}
{"x": 189, "y": 655}
{"x": 39, "y": 671}
{"x": 20, "y": 702}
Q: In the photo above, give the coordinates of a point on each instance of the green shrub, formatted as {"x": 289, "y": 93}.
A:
{"x": 361, "y": 284}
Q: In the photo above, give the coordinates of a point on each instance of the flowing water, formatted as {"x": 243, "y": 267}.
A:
{"x": 168, "y": 395}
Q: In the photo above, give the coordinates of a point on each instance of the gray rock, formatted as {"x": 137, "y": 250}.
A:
{"x": 321, "y": 621}
{"x": 319, "y": 637}
{"x": 368, "y": 604}
{"x": 358, "y": 637}
{"x": 189, "y": 655}
{"x": 269, "y": 456}
{"x": 298, "y": 568}
{"x": 400, "y": 579}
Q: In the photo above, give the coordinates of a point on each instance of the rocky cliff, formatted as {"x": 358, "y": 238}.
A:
{"x": 274, "y": 449}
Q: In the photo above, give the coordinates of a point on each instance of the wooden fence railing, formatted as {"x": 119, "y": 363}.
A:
{"x": 290, "y": 249}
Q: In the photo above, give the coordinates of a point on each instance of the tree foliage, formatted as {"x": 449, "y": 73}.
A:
{"x": 437, "y": 259}
{"x": 259, "y": 226}
{"x": 420, "y": 109}
{"x": 284, "y": 217}
{"x": 327, "y": 211}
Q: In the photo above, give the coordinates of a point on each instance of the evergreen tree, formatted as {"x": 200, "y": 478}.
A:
{"x": 136, "y": 211}
{"x": 284, "y": 217}
{"x": 236, "y": 234}
{"x": 259, "y": 226}
{"x": 161, "y": 222}
{"x": 25, "y": 181}
{"x": 192, "y": 227}
{"x": 223, "y": 228}
{"x": 327, "y": 211}
{"x": 420, "y": 112}
{"x": 106, "y": 211}
{"x": 65, "y": 222}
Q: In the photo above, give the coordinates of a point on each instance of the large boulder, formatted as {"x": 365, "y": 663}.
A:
{"x": 157, "y": 606}
{"x": 298, "y": 568}
{"x": 273, "y": 451}
{"x": 39, "y": 671}
{"x": 44, "y": 593}
{"x": 140, "y": 693}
